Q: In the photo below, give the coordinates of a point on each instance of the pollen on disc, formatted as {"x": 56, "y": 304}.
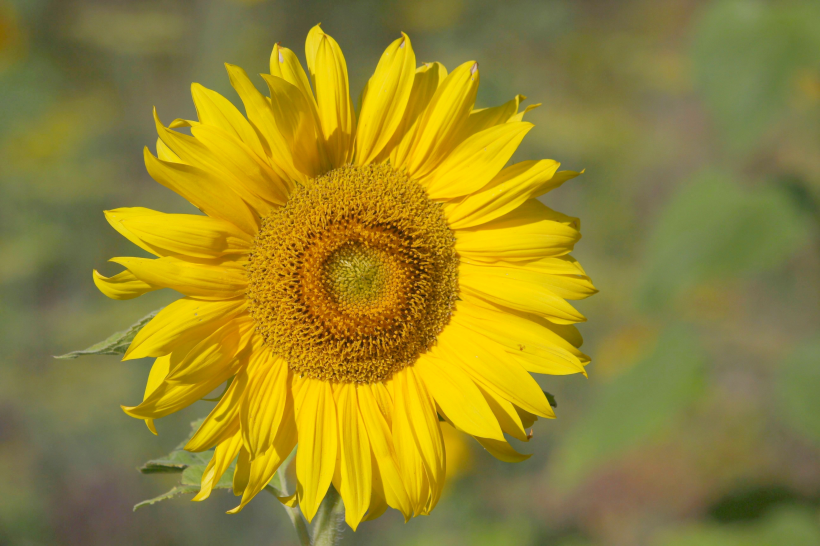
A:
{"x": 355, "y": 276}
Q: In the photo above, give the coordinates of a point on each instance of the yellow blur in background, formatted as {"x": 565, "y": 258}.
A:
{"x": 698, "y": 125}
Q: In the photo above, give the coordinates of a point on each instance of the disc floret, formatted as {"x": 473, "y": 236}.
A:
{"x": 355, "y": 276}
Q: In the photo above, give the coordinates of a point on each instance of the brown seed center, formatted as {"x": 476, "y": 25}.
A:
{"x": 355, "y": 276}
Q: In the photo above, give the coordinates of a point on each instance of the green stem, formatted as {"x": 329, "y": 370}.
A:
{"x": 295, "y": 514}
{"x": 329, "y": 525}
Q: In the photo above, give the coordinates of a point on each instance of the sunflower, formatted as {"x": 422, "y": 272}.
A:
{"x": 355, "y": 278}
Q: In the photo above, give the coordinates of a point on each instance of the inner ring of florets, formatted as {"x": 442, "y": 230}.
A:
{"x": 355, "y": 276}
{"x": 359, "y": 277}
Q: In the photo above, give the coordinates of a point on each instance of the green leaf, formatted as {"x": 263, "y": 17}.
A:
{"x": 176, "y": 461}
{"x": 634, "y": 407}
{"x": 177, "y": 490}
{"x": 191, "y": 479}
{"x": 797, "y": 388}
{"x": 715, "y": 229}
{"x": 193, "y": 476}
{"x": 179, "y": 459}
{"x": 115, "y": 344}
{"x": 190, "y": 465}
{"x": 747, "y": 59}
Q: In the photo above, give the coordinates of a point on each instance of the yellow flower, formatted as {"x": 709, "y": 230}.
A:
{"x": 353, "y": 280}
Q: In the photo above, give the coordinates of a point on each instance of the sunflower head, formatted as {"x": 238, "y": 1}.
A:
{"x": 355, "y": 278}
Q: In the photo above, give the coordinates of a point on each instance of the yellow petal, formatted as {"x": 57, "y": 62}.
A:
{"x": 122, "y": 286}
{"x": 560, "y": 265}
{"x": 264, "y": 406}
{"x": 529, "y": 232}
{"x": 458, "y": 397}
{"x": 508, "y": 190}
{"x": 180, "y": 235}
{"x": 416, "y": 413}
{"x": 165, "y": 153}
{"x": 230, "y": 160}
{"x": 442, "y": 121}
{"x": 284, "y": 64}
{"x": 504, "y": 411}
{"x": 159, "y": 369}
{"x": 261, "y": 117}
{"x": 571, "y": 286}
{"x": 520, "y": 115}
{"x": 384, "y": 399}
{"x": 261, "y": 470}
{"x": 288, "y": 105}
{"x": 502, "y": 450}
{"x": 515, "y": 288}
{"x": 411, "y": 463}
{"x": 289, "y": 500}
{"x": 217, "y": 111}
{"x": 298, "y": 127}
{"x": 314, "y": 38}
{"x": 557, "y": 179}
{"x": 182, "y": 321}
{"x": 116, "y": 216}
{"x": 223, "y": 421}
{"x": 490, "y": 366}
{"x": 221, "y": 353}
{"x": 474, "y": 163}
{"x": 426, "y": 80}
{"x": 242, "y": 473}
{"x": 329, "y": 72}
{"x": 224, "y": 454}
{"x": 381, "y": 442}
{"x": 318, "y": 443}
{"x": 378, "y": 503}
{"x": 542, "y": 347}
{"x": 178, "y": 123}
{"x": 355, "y": 470}
{"x": 204, "y": 190}
{"x": 255, "y": 174}
{"x": 388, "y": 91}
{"x": 170, "y": 397}
{"x": 485, "y": 118}
{"x": 214, "y": 282}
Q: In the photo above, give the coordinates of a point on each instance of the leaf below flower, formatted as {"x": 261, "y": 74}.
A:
{"x": 115, "y": 344}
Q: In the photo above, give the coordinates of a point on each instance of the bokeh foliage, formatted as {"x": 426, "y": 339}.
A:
{"x": 697, "y": 122}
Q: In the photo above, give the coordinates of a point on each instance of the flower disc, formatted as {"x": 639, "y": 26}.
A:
{"x": 355, "y": 276}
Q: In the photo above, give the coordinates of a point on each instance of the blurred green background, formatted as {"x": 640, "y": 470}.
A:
{"x": 699, "y": 125}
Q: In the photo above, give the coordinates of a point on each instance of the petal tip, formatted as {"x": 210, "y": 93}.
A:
{"x": 151, "y": 426}
{"x": 235, "y": 510}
